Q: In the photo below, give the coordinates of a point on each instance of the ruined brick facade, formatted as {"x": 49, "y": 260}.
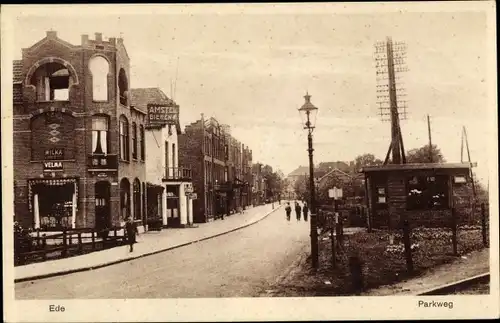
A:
{"x": 55, "y": 112}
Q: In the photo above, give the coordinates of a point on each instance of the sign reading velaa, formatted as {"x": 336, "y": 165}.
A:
{"x": 163, "y": 114}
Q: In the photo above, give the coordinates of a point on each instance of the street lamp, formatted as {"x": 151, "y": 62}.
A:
{"x": 308, "y": 113}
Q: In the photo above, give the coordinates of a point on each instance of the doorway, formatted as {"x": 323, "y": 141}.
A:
{"x": 102, "y": 207}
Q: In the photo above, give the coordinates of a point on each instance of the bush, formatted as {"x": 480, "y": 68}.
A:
{"x": 22, "y": 241}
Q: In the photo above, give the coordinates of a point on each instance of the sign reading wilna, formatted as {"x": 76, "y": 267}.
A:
{"x": 163, "y": 114}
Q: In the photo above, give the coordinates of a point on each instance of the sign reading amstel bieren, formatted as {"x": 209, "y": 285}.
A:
{"x": 163, "y": 114}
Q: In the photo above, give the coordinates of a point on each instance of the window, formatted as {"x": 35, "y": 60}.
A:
{"x": 134, "y": 140}
{"x": 125, "y": 197}
{"x": 99, "y": 135}
{"x": 427, "y": 192}
{"x": 166, "y": 158}
{"x": 123, "y": 87}
{"x": 143, "y": 143}
{"x": 137, "y": 199}
{"x": 174, "y": 156}
{"x": 124, "y": 139}
{"x": 52, "y": 82}
{"x": 99, "y": 68}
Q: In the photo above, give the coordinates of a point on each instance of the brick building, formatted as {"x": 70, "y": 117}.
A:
{"x": 220, "y": 169}
{"x": 168, "y": 183}
{"x": 79, "y": 149}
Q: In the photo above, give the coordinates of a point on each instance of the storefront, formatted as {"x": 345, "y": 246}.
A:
{"x": 53, "y": 203}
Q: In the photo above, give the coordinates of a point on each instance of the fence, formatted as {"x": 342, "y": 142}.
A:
{"x": 42, "y": 246}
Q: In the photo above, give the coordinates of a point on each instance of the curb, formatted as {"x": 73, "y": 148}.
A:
{"x": 450, "y": 287}
{"x": 114, "y": 262}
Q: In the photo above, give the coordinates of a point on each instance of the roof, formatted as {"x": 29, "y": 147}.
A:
{"x": 140, "y": 98}
{"x": 301, "y": 171}
{"x": 18, "y": 71}
{"x": 420, "y": 166}
{"x": 336, "y": 170}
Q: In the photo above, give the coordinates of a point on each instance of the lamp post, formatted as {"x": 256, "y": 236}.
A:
{"x": 308, "y": 112}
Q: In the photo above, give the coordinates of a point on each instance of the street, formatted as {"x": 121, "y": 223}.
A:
{"x": 238, "y": 264}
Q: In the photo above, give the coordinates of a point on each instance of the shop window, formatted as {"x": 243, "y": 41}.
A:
{"x": 100, "y": 134}
{"x": 427, "y": 192}
{"x": 99, "y": 68}
{"x": 52, "y": 82}
{"x": 134, "y": 140}
{"x": 53, "y": 205}
{"x": 142, "y": 143}
{"x": 124, "y": 139}
{"x": 123, "y": 87}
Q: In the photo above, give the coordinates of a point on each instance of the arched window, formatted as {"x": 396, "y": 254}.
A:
{"x": 124, "y": 198}
{"x": 100, "y": 135}
{"x": 99, "y": 67}
{"x": 124, "y": 139}
{"x": 52, "y": 82}
{"x": 143, "y": 143}
{"x": 134, "y": 140}
{"x": 137, "y": 200}
{"x": 123, "y": 87}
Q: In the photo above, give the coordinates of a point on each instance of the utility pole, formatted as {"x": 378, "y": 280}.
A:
{"x": 430, "y": 138}
{"x": 390, "y": 61}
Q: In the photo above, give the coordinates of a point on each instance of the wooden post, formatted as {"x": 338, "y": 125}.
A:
{"x": 483, "y": 225}
{"x": 332, "y": 238}
{"x": 65, "y": 244}
{"x": 80, "y": 244}
{"x": 454, "y": 232}
{"x": 93, "y": 240}
{"x": 407, "y": 244}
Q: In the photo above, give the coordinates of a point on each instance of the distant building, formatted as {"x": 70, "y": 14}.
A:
{"x": 220, "y": 169}
{"x": 78, "y": 144}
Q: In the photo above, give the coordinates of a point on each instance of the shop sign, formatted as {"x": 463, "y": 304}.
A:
{"x": 163, "y": 115}
{"x": 54, "y": 154}
{"x": 52, "y": 166}
{"x": 193, "y": 196}
{"x": 102, "y": 175}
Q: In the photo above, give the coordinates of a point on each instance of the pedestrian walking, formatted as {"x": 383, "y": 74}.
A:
{"x": 131, "y": 231}
{"x": 288, "y": 210}
{"x": 297, "y": 210}
{"x": 305, "y": 209}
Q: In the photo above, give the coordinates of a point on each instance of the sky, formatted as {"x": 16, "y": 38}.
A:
{"x": 251, "y": 70}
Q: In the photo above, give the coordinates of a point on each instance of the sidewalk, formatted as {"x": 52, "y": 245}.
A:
{"x": 472, "y": 264}
{"x": 148, "y": 243}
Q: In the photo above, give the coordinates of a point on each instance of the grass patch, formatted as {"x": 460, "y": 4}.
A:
{"x": 382, "y": 263}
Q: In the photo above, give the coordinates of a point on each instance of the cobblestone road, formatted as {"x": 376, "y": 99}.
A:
{"x": 239, "y": 264}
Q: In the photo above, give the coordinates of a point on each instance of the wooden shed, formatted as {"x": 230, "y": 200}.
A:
{"x": 422, "y": 193}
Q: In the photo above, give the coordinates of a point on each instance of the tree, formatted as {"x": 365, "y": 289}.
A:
{"x": 301, "y": 188}
{"x": 366, "y": 160}
{"x": 421, "y": 155}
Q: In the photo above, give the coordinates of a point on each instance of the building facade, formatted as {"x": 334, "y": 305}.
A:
{"x": 79, "y": 149}
{"x": 220, "y": 169}
{"x": 169, "y": 186}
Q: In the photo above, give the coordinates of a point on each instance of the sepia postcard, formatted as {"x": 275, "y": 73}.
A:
{"x": 250, "y": 162}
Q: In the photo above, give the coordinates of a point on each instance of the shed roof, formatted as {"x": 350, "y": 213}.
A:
{"x": 420, "y": 166}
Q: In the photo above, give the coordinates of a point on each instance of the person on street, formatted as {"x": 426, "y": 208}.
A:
{"x": 305, "y": 209}
{"x": 131, "y": 231}
{"x": 288, "y": 210}
{"x": 297, "y": 210}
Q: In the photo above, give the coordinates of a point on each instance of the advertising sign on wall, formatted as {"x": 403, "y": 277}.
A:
{"x": 162, "y": 114}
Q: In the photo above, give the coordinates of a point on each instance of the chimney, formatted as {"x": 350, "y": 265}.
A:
{"x": 112, "y": 40}
{"x": 98, "y": 37}
{"x": 51, "y": 34}
{"x": 85, "y": 39}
